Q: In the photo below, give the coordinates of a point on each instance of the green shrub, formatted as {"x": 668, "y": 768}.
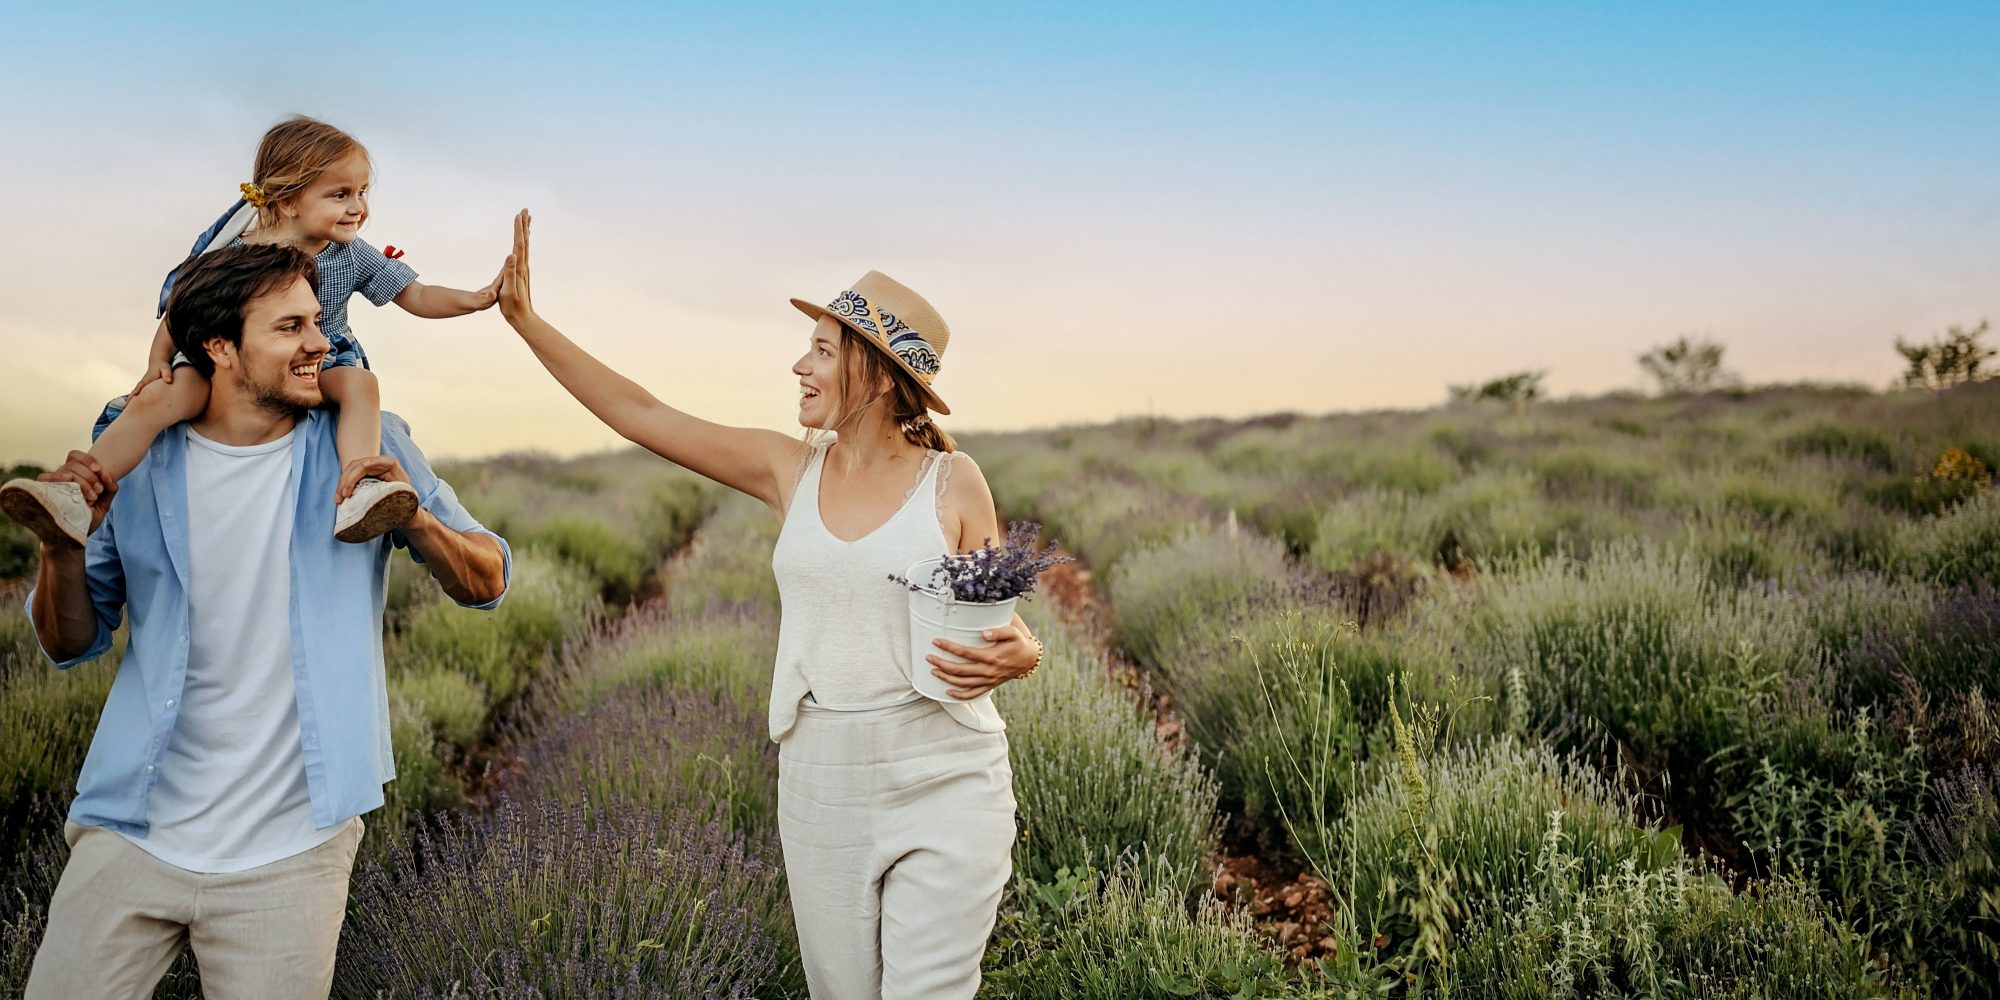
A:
{"x": 504, "y": 649}
{"x": 1836, "y": 801}
{"x": 34, "y": 863}
{"x": 1286, "y": 510}
{"x": 1469, "y": 446}
{"x": 1299, "y": 730}
{"x": 1477, "y": 519}
{"x": 1772, "y": 502}
{"x": 1944, "y": 932}
{"x": 1159, "y": 592}
{"x": 1101, "y": 520}
{"x": 1402, "y": 466}
{"x": 1289, "y": 755}
{"x": 1092, "y": 780}
{"x": 1959, "y": 547}
{"x": 1359, "y": 525}
{"x": 1020, "y": 468}
{"x": 1127, "y": 934}
{"x": 675, "y": 509}
{"x": 1219, "y": 667}
{"x": 451, "y": 703}
{"x": 727, "y": 652}
{"x": 1857, "y": 444}
{"x": 1267, "y": 450}
{"x": 1884, "y": 635}
{"x": 410, "y": 584}
{"x": 617, "y": 558}
{"x": 47, "y": 718}
{"x": 1640, "y": 644}
{"x": 1738, "y": 548}
{"x": 423, "y": 787}
{"x": 1493, "y": 515}
{"x": 729, "y": 561}
{"x": 1669, "y": 933}
{"x": 615, "y": 515}
{"x": 1440, "y": 842}
{"x": 1180, "y": 471}
{"x": 18, "y": 550}
{"x": 621, "y": 546}
{"x": 1608, "y": 475}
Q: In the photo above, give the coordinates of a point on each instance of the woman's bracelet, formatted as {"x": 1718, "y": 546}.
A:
{"x": 1041, "y": 650}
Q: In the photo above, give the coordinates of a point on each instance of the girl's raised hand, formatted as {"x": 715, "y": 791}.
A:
{"x": 515, "y": 301}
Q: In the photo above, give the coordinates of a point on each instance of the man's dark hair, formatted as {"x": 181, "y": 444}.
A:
{"x": 213, "y": 288}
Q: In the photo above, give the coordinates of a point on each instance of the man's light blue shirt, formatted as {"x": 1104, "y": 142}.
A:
{"x": 137, "y": 561}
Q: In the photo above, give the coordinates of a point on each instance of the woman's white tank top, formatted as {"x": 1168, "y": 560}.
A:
{"x": 844, "y": 629}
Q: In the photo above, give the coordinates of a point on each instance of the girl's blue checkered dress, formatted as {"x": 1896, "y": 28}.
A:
{"x": 344, "y": 269}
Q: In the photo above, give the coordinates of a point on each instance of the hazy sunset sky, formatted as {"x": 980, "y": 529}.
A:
{"x": 1171, "y": 208}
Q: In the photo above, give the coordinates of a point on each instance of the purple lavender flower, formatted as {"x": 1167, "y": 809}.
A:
{"x": 661, "y": 748}
{"x": 555, "y": 901}
{"x": 990, "y": 574}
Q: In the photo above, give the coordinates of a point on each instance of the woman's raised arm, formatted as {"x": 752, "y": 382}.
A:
{"x": 751, "y": 460}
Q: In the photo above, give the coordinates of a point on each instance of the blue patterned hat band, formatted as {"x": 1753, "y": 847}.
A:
{"x": 896, "y": 319}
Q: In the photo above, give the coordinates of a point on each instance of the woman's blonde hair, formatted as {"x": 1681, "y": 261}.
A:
{"x": 293, "y": 155}
{"x": 862, "y": 365}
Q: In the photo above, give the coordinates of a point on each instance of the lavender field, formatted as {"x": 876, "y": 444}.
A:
{"x": 1676, "y": 697}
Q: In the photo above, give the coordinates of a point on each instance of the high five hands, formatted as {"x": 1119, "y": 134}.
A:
{"x": 515, "y": 302}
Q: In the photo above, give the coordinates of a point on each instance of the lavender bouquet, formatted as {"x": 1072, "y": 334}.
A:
{"x": 990, "y": 574}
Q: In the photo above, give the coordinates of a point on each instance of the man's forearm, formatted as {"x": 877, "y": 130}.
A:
{"x": 65, "y": 620}
{"x": 468, "y": 565}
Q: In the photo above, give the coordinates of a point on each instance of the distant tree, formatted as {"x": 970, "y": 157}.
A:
{"x": 1688, "y": 366}
{"x": 1956, "y": 357}
{"x": 1518, "y": 389}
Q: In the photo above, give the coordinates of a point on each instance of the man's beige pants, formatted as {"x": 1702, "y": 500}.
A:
{"x": 120, "y": 916}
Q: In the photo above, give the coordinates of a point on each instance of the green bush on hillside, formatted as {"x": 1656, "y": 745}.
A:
{"x": 503, "y": 649}
{"x": 1164, "y": 591}
{"x": 1438, "y": 843}
{"x": 728, "y": 563}
{"x": 1668, "y": 933}
{"x": 1093, "y": 782}
{"x": 47, "y": 718}
{"x": 1090, "y": 936}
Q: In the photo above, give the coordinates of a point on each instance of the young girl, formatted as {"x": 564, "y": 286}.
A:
{"x": 310, "y": 190}
{"x": 896, "y": 812}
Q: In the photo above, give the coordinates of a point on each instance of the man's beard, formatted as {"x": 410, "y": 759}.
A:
{"x": 273, "y": 395}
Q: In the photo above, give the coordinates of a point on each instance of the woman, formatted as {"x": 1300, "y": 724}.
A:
{"x": 896, "y": 812}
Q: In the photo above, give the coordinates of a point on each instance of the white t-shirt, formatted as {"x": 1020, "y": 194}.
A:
{"x": 231, "y": 790}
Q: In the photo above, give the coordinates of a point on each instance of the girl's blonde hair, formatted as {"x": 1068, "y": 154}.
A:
{"x": 293, "y": 155}
{"x": 862, "y": 365}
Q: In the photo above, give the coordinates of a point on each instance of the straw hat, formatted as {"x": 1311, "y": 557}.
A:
{"x": 896, "y": 320}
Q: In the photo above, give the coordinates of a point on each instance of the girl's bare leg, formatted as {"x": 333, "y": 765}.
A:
{"x": 158, "y": 406}
{"x": 358, "y": 395}
{"x": 375, "y": 507}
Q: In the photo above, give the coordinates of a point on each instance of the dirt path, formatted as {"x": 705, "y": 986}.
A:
{"x": 1290, "y": 908}
{"x": 489, "y": 768}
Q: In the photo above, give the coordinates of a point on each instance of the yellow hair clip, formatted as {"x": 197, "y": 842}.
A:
{"x": 254, "y": 195}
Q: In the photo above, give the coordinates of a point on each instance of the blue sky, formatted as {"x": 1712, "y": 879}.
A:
{"x": 1174, "y": 208}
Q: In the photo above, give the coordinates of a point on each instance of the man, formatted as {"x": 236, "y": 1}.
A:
{"x": 248, "y": 727}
